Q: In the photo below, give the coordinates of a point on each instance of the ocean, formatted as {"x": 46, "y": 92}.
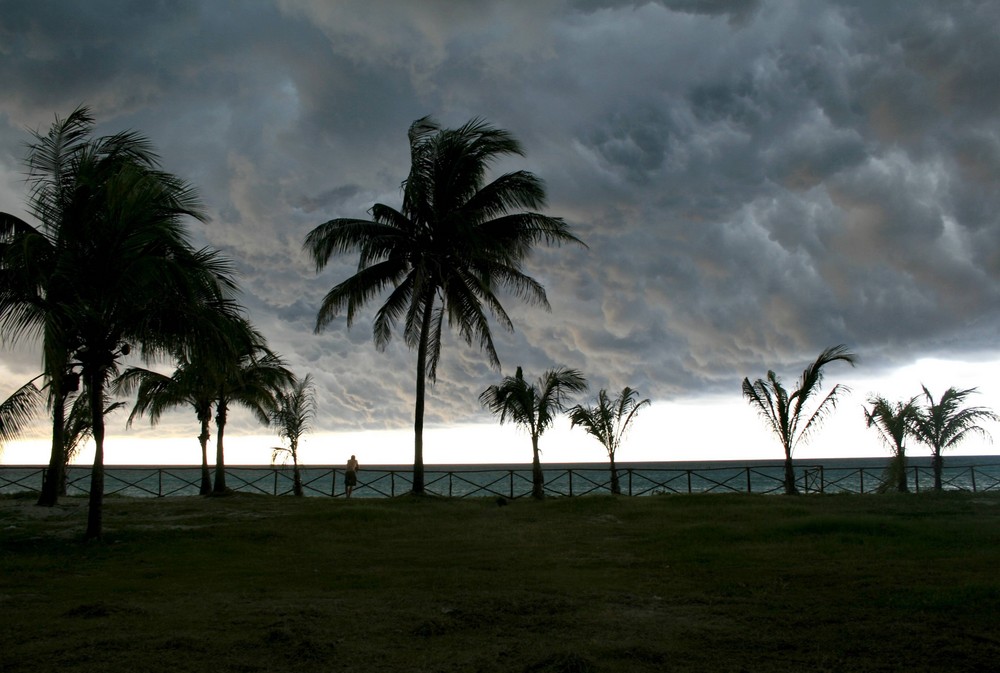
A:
{"x": 840, "y": 475}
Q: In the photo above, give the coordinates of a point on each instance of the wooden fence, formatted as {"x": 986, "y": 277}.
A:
{"x": 507, "y": 483}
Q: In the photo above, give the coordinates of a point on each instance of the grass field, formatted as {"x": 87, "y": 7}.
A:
{"x": 664, "y": 583}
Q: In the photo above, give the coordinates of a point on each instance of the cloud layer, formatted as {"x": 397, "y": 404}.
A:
{"x": 755, "y": 180}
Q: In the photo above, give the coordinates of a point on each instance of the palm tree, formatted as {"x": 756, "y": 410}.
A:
{"x": 17, "y": 411}
{"x": 784, "y": 412}
{"x": 117, "y": 268}
{"x": 252, "y": 380}
{"x": 195, "y": 382}
{"x": 608, "y": 422}
{"x": 455, "y": 242}
{"x": 29, "y": 301}
{"x": 946, "y": 423}
{"x": 893, "y": 422}
{"x": 533, "y": 406}
{"x": 292, "y": 415}
{"x": 157, "y": 393}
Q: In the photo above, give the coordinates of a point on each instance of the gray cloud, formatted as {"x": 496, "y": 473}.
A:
{"x": 755, "y": 180}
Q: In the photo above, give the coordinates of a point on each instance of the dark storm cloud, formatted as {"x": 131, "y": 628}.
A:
{"x": 755, "y": 180}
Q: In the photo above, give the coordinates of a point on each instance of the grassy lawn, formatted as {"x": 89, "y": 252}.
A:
{"x": 664, "y": 583}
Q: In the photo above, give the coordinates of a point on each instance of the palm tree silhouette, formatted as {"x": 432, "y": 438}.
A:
{"x": 29, "y": 299}
{"x": 195, "y": 382}
{"x": 783, "y": 411}
{"x": 455, "y": 242}
{"x": 893, "y": 422}
{"x": 608, "y": 421}
{"x": 533, "y": 406}
{"x": 252, "y": 380}
{"x": 117, "y": 268}
{"x": 292, "y": 415}
{"x": 946, "y": 423}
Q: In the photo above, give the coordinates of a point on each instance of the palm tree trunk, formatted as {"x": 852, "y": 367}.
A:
{"x": 296, "y": 475}
{"x": 537, "y": 478}
{"x": 616, "y": 488}
{"x": 54, "y": 472}
{"x": 901, "y": 484}
{"x": 938, "y": 462}
{"x": 95, "y": 387}
{"x": 790, "y": 488}
{"x": 220, "y": 461}
{"x": 418, "y": 412}
{"x": 206, "y": 477}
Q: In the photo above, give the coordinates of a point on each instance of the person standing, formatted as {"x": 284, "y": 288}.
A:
{"x": 351, "y": 476}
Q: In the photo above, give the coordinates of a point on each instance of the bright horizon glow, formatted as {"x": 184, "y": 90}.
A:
{"x": 696, "y": 429}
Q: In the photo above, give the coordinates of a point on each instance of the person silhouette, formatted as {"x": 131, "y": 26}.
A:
{"x": 351, "y": 476}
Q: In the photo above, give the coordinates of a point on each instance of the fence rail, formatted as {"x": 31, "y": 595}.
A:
{"x": 160, "y": 482}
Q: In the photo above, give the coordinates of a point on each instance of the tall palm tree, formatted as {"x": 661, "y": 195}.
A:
{"x": 946, "y": 423}
{"x": 893, "y": 422}
{"x": 533, "y": 406}
{"x": 455, "y": 242}
{"x": 783, "y": 412}
{"x": 608, "y": 422}
{"x": 292, "y": 416}
{"x": 29, "y": 301}
{"x": 118, "y": 268}
{"x": 252, "y": 380}
{"x": 17, "y": 411}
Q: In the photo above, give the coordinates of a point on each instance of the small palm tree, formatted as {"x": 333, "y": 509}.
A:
{"x": 893, "y": 422}
{"x": 946, "y": 423}
{"x": 292, "y": 414}
{"x": 253, "y": 381}
{"x": 608, "y": 422}
{"x": 17, "y": 411}
{"x": 784, "y": 412}
{"x": 456, "y": 241}
{"x": 196, "y": 380}
{"x": 533, "y": 406}
{"x": 156, "y": 393}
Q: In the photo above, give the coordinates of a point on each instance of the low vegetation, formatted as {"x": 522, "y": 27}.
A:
{"x": 664, "y": 583}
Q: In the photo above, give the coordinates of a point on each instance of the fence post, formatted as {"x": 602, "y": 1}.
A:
{"x": 689, "y": 481}
{"x": 511, "y": 474}
{"x": 630, "y": 481}
{"x": 392, "y": 483}
{"x": 159, "y": 482}
{"x": 862, "y": 473}
{"x": 449, "y": 483}
{"x": 916, "y": 479}
{"x": 570, "y": 473}
{"x": 972, "y": 471}
{"x": 749, "y": 489}
{"x": 822, "y": 480}
{"x": 275, "y": 472}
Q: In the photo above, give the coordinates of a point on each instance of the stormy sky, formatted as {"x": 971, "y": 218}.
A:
{"x": 755, "y": 180}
